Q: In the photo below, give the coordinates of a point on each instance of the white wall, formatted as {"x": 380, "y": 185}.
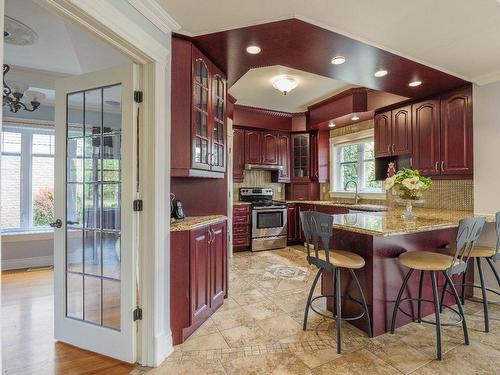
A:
{"x": 486, "y": 104}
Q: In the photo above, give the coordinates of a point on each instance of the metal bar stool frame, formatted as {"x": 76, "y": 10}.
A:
{"x": 468, "y": 233}
{"x": 318, "y": 230}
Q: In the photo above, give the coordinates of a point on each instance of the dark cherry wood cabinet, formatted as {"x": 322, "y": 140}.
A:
{"x": 330, "y": 210}
{"x": 401, "y": 131}
{"x": 198, "y": 277}
{"x": 292, "y": 224}
{"x": 382, "y": 134}
{"x": 238, "y": 154}
{"x": 253, "y": 146}
{"x": 426, "y": 137}
{"x": 300, "y": 157}
{"x": 241, "y": 227}
{"x": 319, "y": 151}
{"x": 198, "y": 106}
{"x": 393, "y": 132}
{"x": 270, "y": 148}
{"x": 302, "y": 191}
{"x": 284, "y": 157}
{"x": 456, "y": 133}
{"x": 302, "y": 207}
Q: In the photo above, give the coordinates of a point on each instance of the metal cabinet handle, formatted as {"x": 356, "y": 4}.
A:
{"x": 442, "y": 166}
{"x": 393, "y": 148}
{"x": 56, "y": 224}
{"x": 411, "y": 162}
{"x": 436, "y": 166}
{"x": 388, "y": 149}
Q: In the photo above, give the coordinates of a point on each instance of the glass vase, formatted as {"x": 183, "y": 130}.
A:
{"x": 408, "y": 214}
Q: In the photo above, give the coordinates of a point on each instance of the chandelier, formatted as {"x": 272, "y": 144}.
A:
{"x": 16, "y": 95}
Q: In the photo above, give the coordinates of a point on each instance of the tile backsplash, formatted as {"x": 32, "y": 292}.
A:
{"x": 259, "y": 178}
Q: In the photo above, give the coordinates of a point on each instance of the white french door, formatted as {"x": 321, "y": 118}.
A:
{"x": 94, "y": 236}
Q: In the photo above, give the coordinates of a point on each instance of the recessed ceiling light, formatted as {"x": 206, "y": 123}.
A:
{"x": 331, "y": 124}
{"x": 415, "y": 83}
{"x": 355, "y": 118}
{"x": 337, "y": 60}
{"x": 284, "y": 83}
{"x": 253, "y": 50}
{"x": 380, "y": 73}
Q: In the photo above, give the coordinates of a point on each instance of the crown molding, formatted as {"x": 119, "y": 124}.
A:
{"x": 156, "y": 14}
{"x": 262, "y": 111}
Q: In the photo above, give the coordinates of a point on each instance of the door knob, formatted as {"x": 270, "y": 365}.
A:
{"x": 56, "y": 224}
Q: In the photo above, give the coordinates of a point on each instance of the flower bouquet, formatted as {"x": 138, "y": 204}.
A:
{"x": 410, "y": 186}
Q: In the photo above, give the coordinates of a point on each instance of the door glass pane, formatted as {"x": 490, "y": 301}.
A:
{"x": 112, "y": 109}
{"x": 93, "y": 167}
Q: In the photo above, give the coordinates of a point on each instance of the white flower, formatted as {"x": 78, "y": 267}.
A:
{"x": 412, "y": 183}
{"x": 389, "y": 182}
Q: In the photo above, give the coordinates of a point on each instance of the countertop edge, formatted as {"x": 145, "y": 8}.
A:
{"x": 195, "y": 222}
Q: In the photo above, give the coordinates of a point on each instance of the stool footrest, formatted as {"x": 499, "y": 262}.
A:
{"x": 469, "y": 285}
{"x": 454, "y": 323}
{"x": 334, "y": 317}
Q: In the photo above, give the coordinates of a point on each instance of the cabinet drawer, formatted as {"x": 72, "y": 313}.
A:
{"x": 240, "y": 219}
{"x": 241, "y": 229}
{"x": 241, "y": 240}
{"x": 241, "y": 209}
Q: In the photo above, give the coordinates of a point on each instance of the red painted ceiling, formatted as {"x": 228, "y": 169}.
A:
{"x": 300, "y": 45}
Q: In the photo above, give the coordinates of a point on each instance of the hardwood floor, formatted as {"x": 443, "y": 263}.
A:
{"x": 27, "y": 332}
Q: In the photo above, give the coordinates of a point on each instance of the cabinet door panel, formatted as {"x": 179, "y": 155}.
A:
{"x": 300, "y": 157}
{"x": 382, "y": 134}
{"x": 253, "y": 147}
{"x": 218, "y": 126}
{"x": 200, "y": 275}
{"x": 284, "y": 157}
{"x": 270, "y": 148}
{"x": 292, "y": 223}
{"x": 238, "y": 154}
{"x": 302, "y": 208}
{"x": 218, "y": 254}
{"x": 401, "y": 131}
{"x": 456, "y": 133}
{"x": 425, "y": 132}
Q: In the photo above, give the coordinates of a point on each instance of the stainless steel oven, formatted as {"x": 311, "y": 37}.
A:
{"x": 269, "y": 227}
{"x": 269, "y": 218}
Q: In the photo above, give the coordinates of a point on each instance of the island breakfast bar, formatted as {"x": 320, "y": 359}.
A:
{"x": 380, "y": 237}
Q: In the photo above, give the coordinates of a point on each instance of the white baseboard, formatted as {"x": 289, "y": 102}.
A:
{"x": 14, "y": 264}
{"x": 164, "y": 347}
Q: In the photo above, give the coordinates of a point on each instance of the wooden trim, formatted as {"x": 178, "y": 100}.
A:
{"x": 352, "y": 91}
{"x": 156, "y": 14}
{"x": 262, "y": 111}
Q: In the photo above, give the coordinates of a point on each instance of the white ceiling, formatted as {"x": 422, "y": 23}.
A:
{"x": 255, "y": 89}
{"x": 460, "y": 37}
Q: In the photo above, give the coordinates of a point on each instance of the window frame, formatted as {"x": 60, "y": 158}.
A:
{"x": 336, "y": 143}
{"x": 27, "y": 127}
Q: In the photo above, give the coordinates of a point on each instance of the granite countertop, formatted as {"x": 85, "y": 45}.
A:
{"x": 359, "y": 206}
{"x": 390, "y": 223}
{"x": 240, "y": 202}
{"x": 193, "y": 222}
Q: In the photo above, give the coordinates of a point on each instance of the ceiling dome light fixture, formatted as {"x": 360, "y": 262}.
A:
{"x": 253, "y": 50}
{"x": 337, "y": 60}
{"x": 415, "y": 83}
{"x": 380, "y": 73}
{"x": 355, "y": 118}
{"x": 284, "y": 83}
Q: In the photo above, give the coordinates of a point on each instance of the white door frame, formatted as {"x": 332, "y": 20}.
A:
{"x": 105, "y": 21}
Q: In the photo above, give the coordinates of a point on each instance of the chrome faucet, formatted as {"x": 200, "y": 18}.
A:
{"x": 356, "y": 198}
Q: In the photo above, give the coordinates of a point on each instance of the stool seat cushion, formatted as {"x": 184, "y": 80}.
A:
{"x": 343, "y": 259}
{"x": 426, "y": 261}
{"x": 477, "y": 252}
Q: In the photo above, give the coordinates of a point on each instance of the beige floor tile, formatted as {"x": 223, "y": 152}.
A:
{"x": 280, "y": 326}
{"x": 193, "y": 366}
{"x": 248, "y": 297}
{"x": 206, "y": 342}
{"x": 360, "y": 362}
{"x": 206, "y": 328}
{"x": 245, "y": 335}
{"x": 232, "y": 318}
{"x": 261, "y": 310}
{"x": 272, "y": 364}
{"x": 315, "y": 358}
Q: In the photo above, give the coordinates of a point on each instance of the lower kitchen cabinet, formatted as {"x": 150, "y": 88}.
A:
{"x": 198, "y": 281}
{"x": 292, "y": 224}
{"x": 241, "y": 227}
{"x": 302, "y": 207}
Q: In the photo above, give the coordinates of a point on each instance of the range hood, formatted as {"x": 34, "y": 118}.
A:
{"x": 249, "y": 167}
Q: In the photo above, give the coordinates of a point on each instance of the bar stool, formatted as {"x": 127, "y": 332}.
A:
{"x": 491, "y": 254}
{"x": 318, "y": 228}
{"x": 469, "y": 231}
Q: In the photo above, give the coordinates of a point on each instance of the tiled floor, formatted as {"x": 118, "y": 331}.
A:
{"x": 259, "y": 331}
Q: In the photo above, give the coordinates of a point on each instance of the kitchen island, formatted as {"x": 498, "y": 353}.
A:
{"x": 380, "y": 237}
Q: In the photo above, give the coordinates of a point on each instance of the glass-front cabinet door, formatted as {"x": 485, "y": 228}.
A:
{"x": 219, "y": 131}
{"x": 201, "y": 128}
{"x": 300, "y": 149}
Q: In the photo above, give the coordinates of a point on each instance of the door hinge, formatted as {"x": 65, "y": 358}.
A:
{"x": 138, "y": 97}
{"x": 137, "y": 314}
{"x": 138, "y": 205}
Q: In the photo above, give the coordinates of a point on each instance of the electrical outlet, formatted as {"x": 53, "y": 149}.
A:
{"x": 324, "y": 189}
{"x": 279, "y": 189}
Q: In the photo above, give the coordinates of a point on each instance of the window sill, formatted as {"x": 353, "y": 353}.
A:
{"x": 21, "y": 236}
{"x": 361, "y": 195}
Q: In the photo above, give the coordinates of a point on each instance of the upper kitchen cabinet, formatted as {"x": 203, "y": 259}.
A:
{"x": 456, "y": 132}
{"x": 238, "y": 154}
{"x": 284, "y": 157}
{"x": 300, "y": 157}
{"x": 426, "y": 142}
{"x": 319, "y": 151}
{"x": 253, "y": 147}
{"x": 393, "y": 132}
{"x": 198, "y": 104}
{"x": 270, "y": 148}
